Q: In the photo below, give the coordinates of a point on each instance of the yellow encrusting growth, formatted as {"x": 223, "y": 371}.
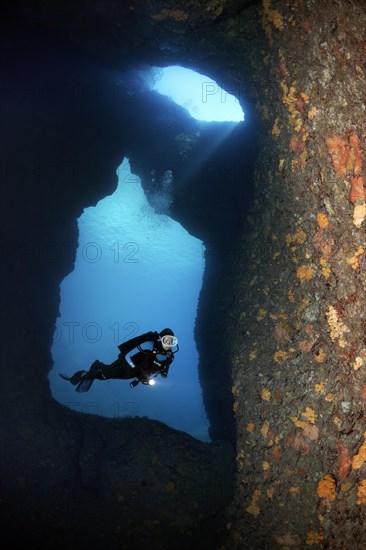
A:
{"x": 252, "y": 354}
{"x": 266, "y": 394}
{"x": 309, "y": 414}
{"x": 337, "y": 328}
{"x": 358, "y": 363}
{"x": 280, "y": 356}
{"x": 290, "y": 98}
{"x": 298, "y": 423}
{"x": 320, "y": 388}
{"x": 273, "y": 17}
{"x": 327, "y": 487}
{"x": 216, "y": 6}
{"x": 276, "y": 130}
{"x": 264, "y": 429}
{"x": 319, "y": 356}
{"x": 359, "y": 214}
{"x": 276, "y": 19}
{"x": 322, "y": 220}
{"x": 360, "y": 457}
{"x": 298, "y": 237}
{"x": 354, "y": 262}
{"x": 253, "y": 507}
{"x": 312, "y": 113}
{"x": 361, "y": 492}
{"x": 290, "y": 295}
{"x": 261, "y": 314}
{"x": 177, "y": 15}
{"x": 314, "y": 537}
{"x": 325, "y": 267}
{"x": 304, "y": 273}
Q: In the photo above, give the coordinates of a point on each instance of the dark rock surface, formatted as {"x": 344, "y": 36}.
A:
{"x": 70, "y": 479}
{"x": 82, "y": 481}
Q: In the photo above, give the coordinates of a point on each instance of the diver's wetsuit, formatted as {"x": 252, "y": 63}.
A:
{"x": 147, "y": 362}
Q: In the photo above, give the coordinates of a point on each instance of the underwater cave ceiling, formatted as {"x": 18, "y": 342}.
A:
{"x": 281, "y": 320}
{"x": 122, "y": 34}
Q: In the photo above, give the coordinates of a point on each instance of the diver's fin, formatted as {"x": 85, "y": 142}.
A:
{"x": 75, "y": 378}
{"x": 84, "y": 385}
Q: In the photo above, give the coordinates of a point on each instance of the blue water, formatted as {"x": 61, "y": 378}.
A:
{"x": 200, "y": 95}
{"x": 135, "y": 271}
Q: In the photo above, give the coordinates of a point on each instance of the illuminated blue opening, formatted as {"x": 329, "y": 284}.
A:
{"x": 202, "y": 97}
{"x": 135, "y": 271}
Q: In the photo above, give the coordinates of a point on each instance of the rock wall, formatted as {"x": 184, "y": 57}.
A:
{"x": 299, "y": 363}
{"x": 66, "y": 478}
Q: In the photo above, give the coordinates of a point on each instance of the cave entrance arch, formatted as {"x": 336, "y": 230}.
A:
{"x": 135, "y": 269}
{"x": 133, "y": 273}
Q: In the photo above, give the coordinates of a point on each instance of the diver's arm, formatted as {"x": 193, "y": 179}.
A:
{"x": 126, "y": 347}
{"x": 165, "y": 369}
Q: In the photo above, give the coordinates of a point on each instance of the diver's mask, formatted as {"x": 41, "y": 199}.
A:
{"x": 169, "y": 342}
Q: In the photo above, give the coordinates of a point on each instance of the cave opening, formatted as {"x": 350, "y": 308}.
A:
{"x": 204, "y": 98}
{"x": 137, "y": 269}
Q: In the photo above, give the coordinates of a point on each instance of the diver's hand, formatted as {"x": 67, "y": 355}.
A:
{"x": 144, "y": 377}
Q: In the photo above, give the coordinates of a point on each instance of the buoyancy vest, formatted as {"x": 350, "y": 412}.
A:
{"x": 153, "y": 361}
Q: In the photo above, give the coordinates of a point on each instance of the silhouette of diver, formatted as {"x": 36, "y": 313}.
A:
{"x": 142, "y": 366}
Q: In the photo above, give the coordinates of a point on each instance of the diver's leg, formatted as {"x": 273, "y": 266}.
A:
{"x": 95, "y": 371}
{"x": 100, "y": 371}
{"x": 119, "y": 369}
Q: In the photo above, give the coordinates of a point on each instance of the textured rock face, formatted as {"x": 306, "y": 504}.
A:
{"x": 284, "y": 293}
{"x": 299, "y": 374}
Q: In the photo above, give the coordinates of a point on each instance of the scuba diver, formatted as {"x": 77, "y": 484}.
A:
{"x": 154, "y": 358}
